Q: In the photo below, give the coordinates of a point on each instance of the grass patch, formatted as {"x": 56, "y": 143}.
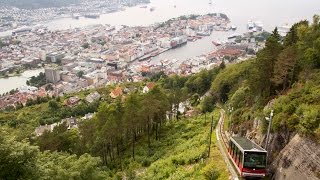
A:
{"x": 181, "y": 152}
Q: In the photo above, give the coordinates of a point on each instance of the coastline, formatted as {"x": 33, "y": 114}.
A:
{"x": 8, "y": 32}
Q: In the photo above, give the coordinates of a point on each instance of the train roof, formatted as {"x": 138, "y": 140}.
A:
{"x": 247, "y": 145}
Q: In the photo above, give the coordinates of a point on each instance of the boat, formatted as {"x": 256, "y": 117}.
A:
{"x": 111, "y": 10}
{"x": 216, "y": 43}
{"x": 258, "y": 25}
{"x": 250, "y": 25}
{"x": 203, "y": 33}
{"x": 233, "y": 27}
{"x": 165, "y": 62}
{"x": 232, "y": 36}
{"x": 144, "y": 7}
{"x": 23, "y": 29}
{"x": 75, "y": 16}
{"x": 92, "y": 16}
{"x": 178, "y": 41}
{"x": 254, "y": 26}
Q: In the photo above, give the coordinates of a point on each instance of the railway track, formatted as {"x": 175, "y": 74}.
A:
{"x": 222, "y": 143}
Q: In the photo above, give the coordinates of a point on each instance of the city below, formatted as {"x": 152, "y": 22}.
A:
{"x": 97, "y": 55}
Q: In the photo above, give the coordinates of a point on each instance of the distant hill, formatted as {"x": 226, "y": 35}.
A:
{"x": 34, "y": 4}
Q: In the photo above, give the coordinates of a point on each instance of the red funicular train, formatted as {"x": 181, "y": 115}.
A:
{"x": 249, "y": 158}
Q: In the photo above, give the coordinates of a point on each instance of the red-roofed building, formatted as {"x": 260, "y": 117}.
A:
{"x": 148, "y": 87}
{"x": 116, "y": 92}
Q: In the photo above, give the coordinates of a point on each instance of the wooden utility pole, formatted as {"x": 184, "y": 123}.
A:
{"x": 211, "y": 127}
{"x": 205, "y": 117}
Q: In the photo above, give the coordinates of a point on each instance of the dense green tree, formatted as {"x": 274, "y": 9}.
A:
{"x": 284, "y": 74}
{"x": 264, "y": 66}
{"x": 208, "y": 104}
{"x": 240, "y": 97}
{"x": 132, "y": 115}
{"x": 80, "y": 74}
{"x": 85, "y": 45}
{"x": 37, "y": 81}
{"x": 18, "y": 160}
{"x": 56, "y": 166}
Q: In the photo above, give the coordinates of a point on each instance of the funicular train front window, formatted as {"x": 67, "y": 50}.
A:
{"x": 255, "y": 160}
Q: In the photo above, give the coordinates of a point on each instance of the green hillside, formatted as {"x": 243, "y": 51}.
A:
{"x": 284, "y": 77}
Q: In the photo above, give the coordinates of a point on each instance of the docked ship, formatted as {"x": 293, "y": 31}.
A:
{"x": 23, "y": 29}
{"x": 178, "y": 41}
{"x": 152, "y": 9}
{"x": 232, "y": 36}
{"x": 203, "y": 33}
{"x": 92, "y": 16}
{"x": 233, "y": 27}
{"x": 216, "y": 43}
{"x": 254, "y": 26}
{"x": 258, "y": 25}
{"x": 250, "y": 25}
{"x": 75, "y": 16}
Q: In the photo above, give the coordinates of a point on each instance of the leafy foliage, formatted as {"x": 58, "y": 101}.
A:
{"x": 17, "y": 159}
{"x": 37, "y": 81}
{"x": 285, "y": 70}
{"x": 20, "y": 160}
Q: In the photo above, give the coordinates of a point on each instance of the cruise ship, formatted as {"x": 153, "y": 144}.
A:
{"x": 250, "y": 25}
{"x": 254, "y": 26}
{"x": 258, "y": 25}
{"x": 178, "y": 41}
{"x": 283, "y": 30}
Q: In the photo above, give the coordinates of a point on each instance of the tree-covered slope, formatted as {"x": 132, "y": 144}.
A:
{"x": 284, "y": 77}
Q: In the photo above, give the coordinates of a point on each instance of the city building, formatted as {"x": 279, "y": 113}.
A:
{"x": 52, "y": 75}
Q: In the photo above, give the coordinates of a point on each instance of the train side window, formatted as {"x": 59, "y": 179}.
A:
{"x": 232, "y": 149}
{"x": 237, "y": 157}
{"x": 236, "y": 152}
{"x": 240, "y": 158}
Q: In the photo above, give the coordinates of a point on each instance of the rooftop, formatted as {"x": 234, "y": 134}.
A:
{"x": 246, "y": 144}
